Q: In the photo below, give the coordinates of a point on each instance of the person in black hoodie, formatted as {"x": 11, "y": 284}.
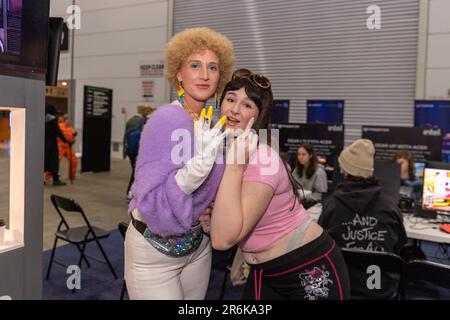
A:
{"x": 52, "y": 132}
{"x": 358, "y": 215}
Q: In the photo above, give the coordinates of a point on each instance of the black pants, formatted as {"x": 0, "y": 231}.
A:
{"x": 133, "y": 167}
{"x": 51, "y": 161}
{"x": 315, "y": 271}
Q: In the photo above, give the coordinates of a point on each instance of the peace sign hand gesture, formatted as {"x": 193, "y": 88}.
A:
{"x": 243, "y": 146}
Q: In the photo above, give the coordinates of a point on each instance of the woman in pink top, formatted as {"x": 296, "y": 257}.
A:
{"x": 257, "y": 207}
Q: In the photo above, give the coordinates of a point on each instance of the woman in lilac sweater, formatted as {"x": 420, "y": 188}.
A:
{"x": 166, "y": 255}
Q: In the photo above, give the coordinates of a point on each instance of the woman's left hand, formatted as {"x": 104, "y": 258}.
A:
{"x": 243, "y": 146}
{"x": 205, "y": 219}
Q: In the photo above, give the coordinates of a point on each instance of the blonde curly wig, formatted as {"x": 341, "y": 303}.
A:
{"x": 195, "y": 40}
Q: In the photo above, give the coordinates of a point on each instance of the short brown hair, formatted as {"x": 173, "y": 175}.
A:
{"x": 194, "y": 40}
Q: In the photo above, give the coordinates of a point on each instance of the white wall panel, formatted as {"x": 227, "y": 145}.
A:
{"x": 128, "y": 92}
{"x": 119, "y": 66}
{"x": 124, "y": 18}
{"x": 101, "y": 5}
{"x": 439, "y": 16}
{"x": 438, "y": 83}
{"x": 58, "y": 8}
{"x": 439, "y": 50}
{"x": 64, "y": 68}
{"x": 121, "y": 42}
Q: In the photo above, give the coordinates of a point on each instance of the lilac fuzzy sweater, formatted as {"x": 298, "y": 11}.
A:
{"x": 165, "y": 208}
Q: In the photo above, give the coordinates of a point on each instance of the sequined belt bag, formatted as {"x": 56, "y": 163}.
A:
{"x": 173, "y": 246}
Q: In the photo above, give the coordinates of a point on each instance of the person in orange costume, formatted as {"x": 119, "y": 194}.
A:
{"x": 65, "y": 150}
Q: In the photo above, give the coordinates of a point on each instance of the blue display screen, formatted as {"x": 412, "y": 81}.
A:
{"x": 418, "y": 169}
{"x": 435, "y": 113}
{"x": 325, "y": 111}
{"x": 280, "y": 111}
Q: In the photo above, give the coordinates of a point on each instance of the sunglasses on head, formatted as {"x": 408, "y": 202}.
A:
{"x": 258, "y": 79}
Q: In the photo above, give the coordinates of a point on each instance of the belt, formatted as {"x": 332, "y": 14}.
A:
{"x": 175, "y": 245}
{"x": 139, "y": 225}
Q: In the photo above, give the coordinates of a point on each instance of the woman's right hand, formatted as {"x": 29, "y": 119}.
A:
{"x": 207, "y": 143}
{"x": 207, "y": 139}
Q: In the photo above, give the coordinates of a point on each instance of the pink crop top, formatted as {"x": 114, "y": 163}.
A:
{"x": 267, "y": 167}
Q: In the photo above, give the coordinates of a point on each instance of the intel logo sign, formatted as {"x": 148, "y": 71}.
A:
{"x": 335, "y": 128}
{"x": 432, "y": 132}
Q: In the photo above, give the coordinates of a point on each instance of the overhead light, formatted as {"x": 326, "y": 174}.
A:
{"x": 64, "y": 83}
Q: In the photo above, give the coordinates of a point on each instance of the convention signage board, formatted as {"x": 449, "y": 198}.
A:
{"x": 435, "y": 113}
{"x": 423, "y": 143}
{"x": 328, "y": 142}
{"x": 325, "y": 111}
{"x": 280, "y": 111}
{"x": 97, "y": 118}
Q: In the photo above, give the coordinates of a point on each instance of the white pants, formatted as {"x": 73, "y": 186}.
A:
{"x": 151, "y": 275}
{"x": 315, "y": 211}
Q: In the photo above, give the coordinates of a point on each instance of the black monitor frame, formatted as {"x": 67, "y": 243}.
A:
{"x": 31, "y": 61}
{"x": 439, "y": 166}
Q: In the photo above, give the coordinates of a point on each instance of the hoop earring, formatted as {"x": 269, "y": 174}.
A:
{"x": 181, "y": 93}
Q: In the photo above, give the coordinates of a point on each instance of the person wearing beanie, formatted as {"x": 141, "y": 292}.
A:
{"x": 358, "y": 215}
{"x": 357, "y": 159}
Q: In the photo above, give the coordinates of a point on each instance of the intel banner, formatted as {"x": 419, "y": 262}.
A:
{"x": 423, "y": 143}
{"x": 280, "y": 111}
{"x": 328, "y": 142}
{"x": 435, "y": 113}
{"x": 325, "y": 111}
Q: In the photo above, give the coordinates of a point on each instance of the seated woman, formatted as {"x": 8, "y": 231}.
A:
{"x": 312, "y": 177}
{"x": 411, "y": 187}
{"x": 256, "y": 207}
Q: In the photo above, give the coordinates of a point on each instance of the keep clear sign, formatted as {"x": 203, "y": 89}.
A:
{"x": 152, "y": 69}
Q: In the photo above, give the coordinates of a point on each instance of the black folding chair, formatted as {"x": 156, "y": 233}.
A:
{"x": 78, "y": 236}
{"x": 123, "y": 230}
{"x": 391, "y": 266}
{"x": 434, "y": 273}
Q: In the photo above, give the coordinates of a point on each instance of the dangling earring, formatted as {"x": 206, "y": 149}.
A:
{"x": 216, "y": 97}
{"x": 181, "y": 93}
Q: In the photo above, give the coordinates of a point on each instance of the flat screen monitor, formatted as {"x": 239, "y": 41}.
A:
{"x": 436, "y": 187}
{"x": 418, "y": 170}
{"x": 388, "y": 173}
{"x": 24, "y": 37}
{"x": 325, "y": 111}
